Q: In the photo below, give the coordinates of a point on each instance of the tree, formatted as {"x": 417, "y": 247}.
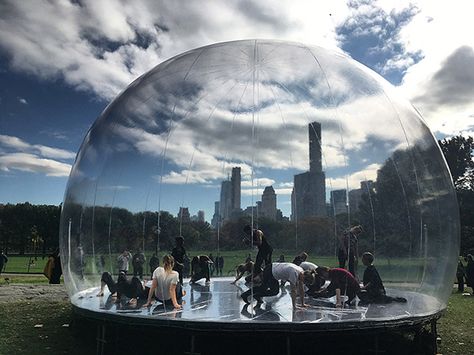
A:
{"x": 458, "y": 152}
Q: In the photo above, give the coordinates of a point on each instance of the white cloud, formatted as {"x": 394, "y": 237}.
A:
{"x": 34, "y": 164}
{"x": 101, "y": 46}
{"x": 20, "y": 155}
{"x": 22, "y": 101}
{"x": 45, "y": 151}
{"x": 440, "y": 30}
{"x": 353, "y": 180}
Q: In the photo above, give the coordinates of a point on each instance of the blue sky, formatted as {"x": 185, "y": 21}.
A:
{"x": 62, "y": 62}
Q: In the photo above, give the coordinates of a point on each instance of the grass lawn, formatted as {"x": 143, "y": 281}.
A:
{"x": 390, "y": 269}
{"x": 59, "y": 334}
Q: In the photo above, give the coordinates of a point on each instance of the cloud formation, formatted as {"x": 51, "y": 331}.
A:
{"x": 20, "y": 155}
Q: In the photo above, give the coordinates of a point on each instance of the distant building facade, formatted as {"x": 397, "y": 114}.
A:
{"x": 339, "y": 201}
{"x": 230, "y": 197}
{"x": 269, "y": 203}
{"x": 308, "y": 198}
{"x": 183, "y": 215}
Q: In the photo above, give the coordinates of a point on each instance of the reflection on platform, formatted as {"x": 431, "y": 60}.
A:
{"x": 220, "y": 301}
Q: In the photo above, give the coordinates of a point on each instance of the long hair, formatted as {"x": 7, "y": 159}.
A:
{"x": 168, "y": 263}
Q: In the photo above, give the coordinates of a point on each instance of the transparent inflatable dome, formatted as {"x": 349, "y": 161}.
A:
{"x": 298, "y": 141}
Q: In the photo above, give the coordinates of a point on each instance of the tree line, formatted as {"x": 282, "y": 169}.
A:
{"x": 397, "y": 212}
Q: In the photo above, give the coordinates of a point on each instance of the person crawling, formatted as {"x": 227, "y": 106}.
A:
{"x": 342, "y": 283}
{"x": 373, "y": 290}
{"x": 242, "y": 269}
{"x": 200, "y": 268}
{"x": 133, "y": 288}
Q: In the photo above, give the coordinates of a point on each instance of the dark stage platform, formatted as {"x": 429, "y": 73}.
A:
{"x": 218, "y": 306}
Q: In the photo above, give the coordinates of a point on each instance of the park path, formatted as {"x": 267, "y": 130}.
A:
{"x": 32, "y": 292}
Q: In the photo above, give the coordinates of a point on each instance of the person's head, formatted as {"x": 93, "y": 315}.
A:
{"x": 323, "y": 272}
{"x": 122, "y": 277}
{"x": 309, "y": 277}
{"x": 469, "y": 257}
{"x": 179, "y": 241}
{"x": 367, "y": 258}
{"x": 357, "y": 230}
{"x": 168, "y": 263}
{"x": 303, "y": 256}
{"x": 125, "y": 252}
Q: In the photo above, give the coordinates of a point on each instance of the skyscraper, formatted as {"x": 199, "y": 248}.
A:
{"x": 339, "y": 201}
{"x": 229, "y": 203}
{"x": 216, "y": 216}
{"x": 236, "y": 186}
{"x": 225, "y": 205}
{"x": 269, "y": 203}
{"x": 308, "y": 198}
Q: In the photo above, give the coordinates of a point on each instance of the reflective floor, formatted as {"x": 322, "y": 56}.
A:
{"x": 220, "y": 301}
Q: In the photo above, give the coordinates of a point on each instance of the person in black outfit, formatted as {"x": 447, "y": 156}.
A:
{"x": 219, "y": 264}
{"x": 3, "y": 260}
{"x": 200, "y": 266}
{"x": 460, "y": 275}
{"x": 351, "y": 248}
{"x": 470, "y": 272}
{"x": 373, "y": 290}
{"x": 153, "y": 263}
{"x": 300, "y": 258}
{"x": 138, "y": 260}
{"x": 132, "y": 289}
{"x": 178, "y": 254}
{"x": 57, "y": 270}
{"x": 264, "y": 255}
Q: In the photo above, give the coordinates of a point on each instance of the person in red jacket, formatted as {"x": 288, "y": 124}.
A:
{"x": 342, "y": 283}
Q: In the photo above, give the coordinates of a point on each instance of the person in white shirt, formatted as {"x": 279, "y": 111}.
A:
{"x": 274, "y": 272}
{"x": 165, "y": 286}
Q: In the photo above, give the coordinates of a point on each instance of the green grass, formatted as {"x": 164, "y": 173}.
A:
{"x": 456, "y": 327}
{"x": 389, "y": 268}
{"x": 19, "y": 335}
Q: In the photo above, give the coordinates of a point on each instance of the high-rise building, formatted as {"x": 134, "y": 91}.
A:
{"x": 308, "y": 198}
{"x": 338, "y": 201}
{"x": 201, "y": 216}
{"x": 183, "y": 215}
{"x": 229, "y": 203}
{"x": 225, "y": 204}
{"x": 216, "y": 216}
{"x": 269, "y": 203}
{"x": 236, "y": 186}
{"x": 355, "y": 196}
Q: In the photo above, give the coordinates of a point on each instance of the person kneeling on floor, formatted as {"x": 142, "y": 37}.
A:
{"x": 275, "y": 272}
{"x": 373, "y": 290}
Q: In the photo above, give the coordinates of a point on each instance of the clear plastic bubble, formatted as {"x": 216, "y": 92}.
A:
{"x": 301, "y": 142}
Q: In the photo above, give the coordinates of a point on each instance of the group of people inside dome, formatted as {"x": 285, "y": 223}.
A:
{"x": 263, "y": 277}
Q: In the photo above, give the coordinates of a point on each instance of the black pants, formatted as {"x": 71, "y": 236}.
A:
{"x": 138, "y": 271}
{"x": 178, "y": 267}
{"x": 352, "y": 264}
{"x": 460, "y": 283}
{"x": 269, "y": 286}
{"x": 130, "y": 289}
{"x": 179, "y": 296}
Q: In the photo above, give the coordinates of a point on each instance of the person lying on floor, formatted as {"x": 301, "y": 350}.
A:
{"x": 275, "y": 272}
{"x": 165, "y": 286}
{"x": 132, "y": 289}
{"x": 342, "y": 283}
{"x": 373, "y": 290}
